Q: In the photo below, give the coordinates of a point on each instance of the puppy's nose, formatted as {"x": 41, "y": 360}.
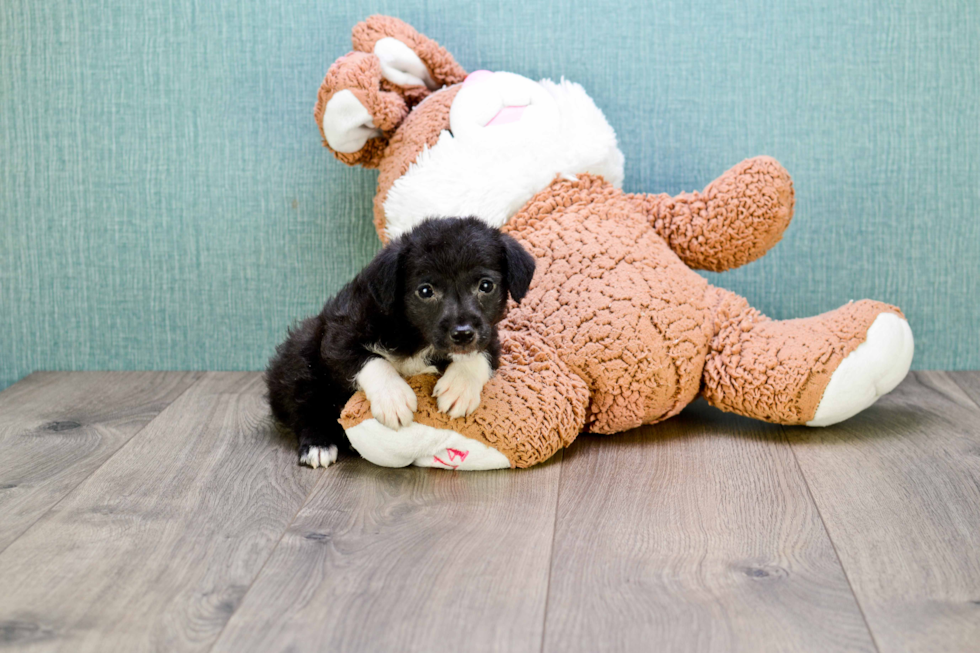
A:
{"x": 463, "y": 334}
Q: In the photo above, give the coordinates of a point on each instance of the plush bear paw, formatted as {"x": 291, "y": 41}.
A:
{"x": 869, "y": 372}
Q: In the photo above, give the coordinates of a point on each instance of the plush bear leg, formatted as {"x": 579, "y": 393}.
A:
{"x": 815, "y": 371}
{"x": 532, "y": 406}
{"x": 736, "y": 219}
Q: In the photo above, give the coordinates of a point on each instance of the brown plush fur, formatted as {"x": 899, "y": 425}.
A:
{"x": 617, "y": 332}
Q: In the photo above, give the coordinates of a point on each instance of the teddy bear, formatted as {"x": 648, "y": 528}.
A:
{"x": 617, "y": 329}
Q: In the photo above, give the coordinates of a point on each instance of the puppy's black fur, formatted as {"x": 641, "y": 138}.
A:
{"x": 442, "y": 285}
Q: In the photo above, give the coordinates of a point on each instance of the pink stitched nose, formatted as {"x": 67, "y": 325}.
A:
{"x": 506, "y": 115}
{"x": 476, "y": 77}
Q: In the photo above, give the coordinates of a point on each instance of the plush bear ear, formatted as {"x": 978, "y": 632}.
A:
{"x": 407, "y": 57}
{"x": 383, "y": 273}
{"x": 355, "y": 113}
{"x": 519, "y": 267}
{"x": 401, "y": 66}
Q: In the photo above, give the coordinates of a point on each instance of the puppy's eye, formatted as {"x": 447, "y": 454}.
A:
{"x": 425, "y": 291}
{"x": 486, "y": 286}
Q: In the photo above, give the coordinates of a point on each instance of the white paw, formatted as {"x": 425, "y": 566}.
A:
{"x": 458, "y": 391}
{"x": 319, "y": 456}
{"x": 395, "y": 405}
{"x": 393, "y": 402}
{"x": 869, "y": 372}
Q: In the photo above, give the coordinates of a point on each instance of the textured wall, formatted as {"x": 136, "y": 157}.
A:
{"x": 165, "y": 201}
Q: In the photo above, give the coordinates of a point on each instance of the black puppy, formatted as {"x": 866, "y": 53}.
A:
{"x": 429, "y": 302}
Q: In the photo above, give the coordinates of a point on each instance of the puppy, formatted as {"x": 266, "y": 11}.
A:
{"x": 429, "y": 302}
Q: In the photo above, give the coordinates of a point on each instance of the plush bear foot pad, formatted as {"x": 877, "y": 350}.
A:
{"x": 869, "y": 372}
{"x": 422, "y": 446}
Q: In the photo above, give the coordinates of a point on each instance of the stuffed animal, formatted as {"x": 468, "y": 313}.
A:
{"x": 617, "y": 329}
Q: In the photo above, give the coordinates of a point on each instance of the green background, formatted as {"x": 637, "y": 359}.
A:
{"x": 165, "y": 201}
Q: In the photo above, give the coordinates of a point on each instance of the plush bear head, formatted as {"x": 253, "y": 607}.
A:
{"x": 448, "y": 144}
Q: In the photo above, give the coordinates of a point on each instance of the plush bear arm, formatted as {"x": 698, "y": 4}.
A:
{"x": 533, "y": 406}
{"x": 734, "y": 221}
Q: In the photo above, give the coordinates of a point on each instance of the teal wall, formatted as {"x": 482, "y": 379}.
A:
{"x": 165, "y": 201}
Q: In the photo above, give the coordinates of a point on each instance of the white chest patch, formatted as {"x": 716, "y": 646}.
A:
{"x": 408, "y": 365}
{"x": 510, "y": 138}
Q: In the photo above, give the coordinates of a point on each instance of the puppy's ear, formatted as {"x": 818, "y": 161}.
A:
{"x": 518, "y": 269}
{"x": 382, "y": 276}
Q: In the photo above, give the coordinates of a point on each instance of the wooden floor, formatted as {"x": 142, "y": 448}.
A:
{"x": 162, "y": 511}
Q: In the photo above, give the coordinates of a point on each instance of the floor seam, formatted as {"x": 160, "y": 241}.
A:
{"x": 833, "y": 545}
{"x": 551, "y": 554}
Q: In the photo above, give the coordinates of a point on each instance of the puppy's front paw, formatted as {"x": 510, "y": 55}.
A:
{"x": 317, "y": 456}
{"x": 458, "y": 391}
{"x": 393, "y": 402}
{"x": 394, "y": 405}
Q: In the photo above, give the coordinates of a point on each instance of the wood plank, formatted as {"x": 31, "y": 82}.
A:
{"x": 158, "y": 546}
{"x": 696, "y": 534}
{"x": 899, "y": 489}
{"x": 56, "y": 428}
{"x": 407, "y": 560}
